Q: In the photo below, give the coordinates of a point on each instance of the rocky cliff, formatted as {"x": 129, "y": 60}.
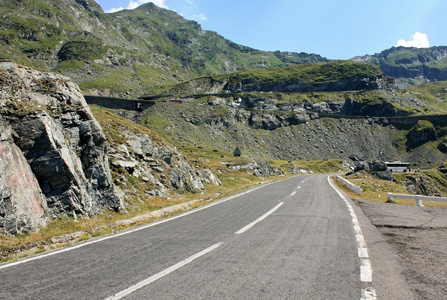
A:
{"x": 60, "y": 151}
{"x": 410, "y": 65}
{"x": 327, "y": 77}
{"x": 158, "y": 167}
{"x": 54, "y": 155}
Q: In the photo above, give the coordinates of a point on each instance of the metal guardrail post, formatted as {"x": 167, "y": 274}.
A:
{"x": 419, "y": 202}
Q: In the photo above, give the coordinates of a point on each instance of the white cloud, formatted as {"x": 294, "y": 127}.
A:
{"x": 420, "y": 40}
{"x": 198, "y": 17}
{"x": 135, "y": 4}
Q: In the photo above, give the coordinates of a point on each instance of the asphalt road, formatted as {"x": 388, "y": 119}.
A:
{"x": 294, "y": 239}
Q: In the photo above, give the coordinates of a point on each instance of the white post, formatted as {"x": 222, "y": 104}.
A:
{"x": 419, "y": 202}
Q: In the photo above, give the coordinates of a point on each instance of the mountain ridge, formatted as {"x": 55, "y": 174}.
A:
{"x": 410, "y": 65}
{"x": 130, "y": 53}
{"x": 125, "y": 53}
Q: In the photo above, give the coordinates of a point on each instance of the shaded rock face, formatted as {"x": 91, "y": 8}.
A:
{"x": 22, "y": 204}
{"x": 304, "y": 111}
{"x": 442, "y": 146}
{"x": 420, "y": 134}
{"x": 52, "y": 127}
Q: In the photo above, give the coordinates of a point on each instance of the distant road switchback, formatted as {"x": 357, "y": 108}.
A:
{"x": 298, "y": 238}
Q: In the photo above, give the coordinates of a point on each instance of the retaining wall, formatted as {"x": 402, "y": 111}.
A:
{"x": 119, "y": 103}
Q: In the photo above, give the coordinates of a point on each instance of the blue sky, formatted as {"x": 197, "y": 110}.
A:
{"x": 334, "y": 29}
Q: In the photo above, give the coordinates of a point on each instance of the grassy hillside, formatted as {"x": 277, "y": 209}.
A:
{"x": 127, "y": 53}
{"x": 266, "y": 79}
{"x": 432, "y": 96}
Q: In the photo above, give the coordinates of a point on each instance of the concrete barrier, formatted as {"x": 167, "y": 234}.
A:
{"x": 351, "y": 186}
{"x": 418, "y": 198}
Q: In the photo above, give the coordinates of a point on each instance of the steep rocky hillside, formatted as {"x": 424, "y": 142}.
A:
{"x": 53, "y": 152}
{"x": 127, "y": 53}
{"x": 55, "y": 156}
{"x": 328, "y": 110}
{"x": 410, "y": 65}
{"x": 295, "y": 135}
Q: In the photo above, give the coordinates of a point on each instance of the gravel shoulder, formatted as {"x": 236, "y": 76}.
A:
{"x": 418, "y": 235}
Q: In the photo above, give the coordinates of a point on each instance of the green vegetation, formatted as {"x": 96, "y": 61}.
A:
{"x": 402, "y": 57}
{"x": 89, "y": 49}
{"x": 307, "y": 73}
{"x": 433, "y": 95}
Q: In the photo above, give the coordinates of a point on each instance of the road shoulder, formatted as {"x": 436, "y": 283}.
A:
{"x": 418, "y": 238}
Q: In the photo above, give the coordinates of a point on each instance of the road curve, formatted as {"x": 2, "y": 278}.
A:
{"x": 293, "y": 239}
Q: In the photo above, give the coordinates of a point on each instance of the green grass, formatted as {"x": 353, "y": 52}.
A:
{"x": 402, "y": 57}
{"x": 68, "y": 65}
{"x": 308, "y": 73}
{"x": 116, "y": 80}
{"x": 322, "y": 166}
{"x": 433, "y": 95}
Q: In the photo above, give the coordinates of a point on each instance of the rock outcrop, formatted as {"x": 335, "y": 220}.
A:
{"x": 60, "y": 152}
{"x": 376, "y": 168}
{"x": 158, "y": 164}
{"x": 422, "y": 132}
{"x": 421, "y": 184}
{"x": 425, "y": 64}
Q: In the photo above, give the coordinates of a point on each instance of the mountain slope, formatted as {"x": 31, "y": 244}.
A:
{"x": 410, "y": 65}
{"x": 130, "y": 52}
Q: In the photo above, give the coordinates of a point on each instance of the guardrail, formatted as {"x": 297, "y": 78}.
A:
{"x": 417, "y": 198}
{"x": 350, "y": 185}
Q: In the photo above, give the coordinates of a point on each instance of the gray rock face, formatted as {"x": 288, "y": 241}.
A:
{"x": 22, "y": 204}
{"x": 260, "y": 168}
{"x": 158, "y": 164}
{"x": 349, "y": 107}
{"x": 62, "y": 144}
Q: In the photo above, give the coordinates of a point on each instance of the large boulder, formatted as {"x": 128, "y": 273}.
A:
{"x": 376, "y": 168}
{"x": 63, "y": 145}
{"x": 23, "y": 205}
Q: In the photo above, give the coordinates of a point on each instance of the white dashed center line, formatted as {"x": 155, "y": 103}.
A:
{"x": 242, "y": 230}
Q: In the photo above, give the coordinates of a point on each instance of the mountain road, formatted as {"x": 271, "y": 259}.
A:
{"x": 298, "y": 238}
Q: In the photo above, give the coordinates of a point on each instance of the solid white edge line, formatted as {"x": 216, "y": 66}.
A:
{"x": 244, "y": 229}
{"x": 163, "y": 273}
{"x": 366, "y": 271}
